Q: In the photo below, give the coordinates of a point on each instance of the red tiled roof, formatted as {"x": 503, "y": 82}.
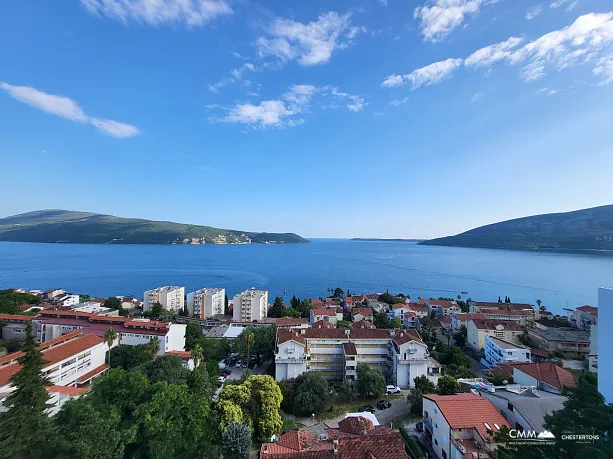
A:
{"x": 463, "y": 411}
{"x": 97, "y": 327}
{"x": 326, "y": 333}
{"x": 401, "y": 306}
{"x": 324, "y": 312}
{"x": 16, "y": 317}
{"x": 284, "y": 335}
{"x": 469, "y": 316}
{"x": 442, "y": 303}
{"x": 356, "y": 425}
{"x": 349, "y": 300}
{"x": 283, "y": 321}
{"x": 405, "y": 336}
{"x": 64, "y": 313}
{"x": 66, "y": 390}
{"x": 494, "y": 305}
{"x": 322, "y": 324}
{"x": 549, "y": 373}
{"x": 589, "y": 310}
{"x": 25, "y": 307}
{"x": 316, "y": 302}
{"x": 182, "y": 354}
{"x": 492, "y": 324}
{"x": 539, "y": 352}
{"x": 92, "y": 374}
{"x": 148, "y": 325}
{"x": 417, "y": 307}
{"x": 502, "y": 369}
{"x": 507, "y": 313}
{"x": 362, "y": 324}
{"x": 410, "y": 314}
{"x": 350, "y": 349}
{"x": 446, "y": 320}
{"x": 366, "y": 312}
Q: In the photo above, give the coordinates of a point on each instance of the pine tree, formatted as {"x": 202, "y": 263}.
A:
{"x": 24, "y": 427}
{"x": 499, "y": 300}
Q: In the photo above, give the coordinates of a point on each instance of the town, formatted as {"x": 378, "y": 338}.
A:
{"x": 342, "y": 374}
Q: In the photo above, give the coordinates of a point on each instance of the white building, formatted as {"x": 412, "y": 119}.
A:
{"x": 170, "y": 297}
{"x": 91, "y": 306}
{"x": 66, "y": 300}
{"x": 335, "y": 353}
{"x": 72, "y": 360}
{"x": 500, "y": 351}
{"x": 456, "y": 426}
{"x": 206, "y": 302}
{"x": 51, "y": 324}
{"x": 328, "y": 315}
{"x": 250, "y": 305}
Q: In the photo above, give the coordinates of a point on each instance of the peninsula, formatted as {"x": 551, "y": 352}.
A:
{"x": 587, "y": 229}
{"x": 90, "y": 228}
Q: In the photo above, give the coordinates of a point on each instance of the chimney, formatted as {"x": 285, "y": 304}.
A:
{"x": 265, "y": 449}
{"x": 335, "y": 444}
{"x": 347, "y": 331}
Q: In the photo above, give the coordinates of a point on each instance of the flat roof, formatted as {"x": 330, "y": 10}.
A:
{"x": 501, "y": 343}
{"x": 555, "y": 334}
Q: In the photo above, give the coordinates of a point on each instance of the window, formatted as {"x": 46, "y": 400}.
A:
{"x": 510, "y": 407}
{"x": 436, "y": 442}
{"x": 444, "y": 455}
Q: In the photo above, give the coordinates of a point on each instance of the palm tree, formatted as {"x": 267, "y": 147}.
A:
{"x": 249, "y": 339}
{"x": 154, "y": 346}
{"x": 109, "y": 337}
{"x": 197, "y": 355}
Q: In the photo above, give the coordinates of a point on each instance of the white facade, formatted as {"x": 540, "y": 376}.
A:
{"x": 290, "y": 360}
{"x": 605, "y": 358}
{"x": 67, "y": 300}
{"x": 91, "y": 306}
{"x": 172, "y": 340}
{"x": 327, "y": 315}
{"x": 206, "y": 302}
{"x": 250, "y": 305}
{"x": 440, "y": 429}
{"x": 500, "y": 351}
{"x": 170, "y": 297}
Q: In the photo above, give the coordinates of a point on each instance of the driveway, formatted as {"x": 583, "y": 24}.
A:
{"x": 399, "y": 407}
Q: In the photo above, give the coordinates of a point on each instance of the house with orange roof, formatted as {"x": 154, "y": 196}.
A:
{"x": 584, "y": 317}
{"x": 548, "y": 377}
{"x": 456, "y": 426}
{"x": 359, "y": 314}
{"x": 477, "y": 329}
{"x": 71, "y": 362}
{"x": 459, "y": 319}
{"x": 419, "y": 309}
{"x": 330, "y": 315}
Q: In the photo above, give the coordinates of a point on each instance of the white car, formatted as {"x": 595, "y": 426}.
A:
{"x": 392, "y": 389}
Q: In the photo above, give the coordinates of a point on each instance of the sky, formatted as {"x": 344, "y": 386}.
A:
{"x": 371, "y": 118}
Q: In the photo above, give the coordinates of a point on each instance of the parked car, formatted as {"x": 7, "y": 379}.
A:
{"x": 244, "y": 364}
{"x": 419, "y": 426}
{"x": 239, "y": 362}
{"x": 392, "y": 390}
{"x": 383, "y": 404}
{"x": 231, "y": 363}
{"x": 366, "y": 408}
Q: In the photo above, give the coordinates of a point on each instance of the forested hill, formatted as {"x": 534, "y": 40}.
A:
{"x": 89, "y": 228}
{"x": 587, "y": 229}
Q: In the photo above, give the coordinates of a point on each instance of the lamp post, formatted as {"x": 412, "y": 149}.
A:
{"x": 313, "y": 421}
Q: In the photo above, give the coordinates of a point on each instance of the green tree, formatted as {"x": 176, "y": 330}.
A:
{"x": 236, "y": 441}
{"x": 304, "y": 308}
{"x": 249, "y": 340}
{"x": 9, "y": 300}
{"x": 264, "y": 337}
{"x": 197, "y": 354}
{"x": 277, "y": 308}
{"x": 448, "y": 385}
{"x": 157, "y": 309}
{"x": 380, "y": 320}
{"x": 193, "y": 335}
{"x": 415, "y": 397}
{"x": 112, "y": 302}
{"x": 201, "y": 382}
{"x": 344, "y": 391}
{"x": 87, "y": 432}
{"x": 290, "y": 312}
{"x": 109, "y": 337}
{"x": 311, "y": 394}
{"x": 343, "y": 324}
{"x": 226, "y": 309}
{"x": 338, "y": 292}
{"x": 294, "y": 302}
{"x": 461, "y": 336}
{"x": 154, "y": 347}
{"x": 370, "y": 380}
{"x": 24, "y": 427}
{"x": 168, "y": 368}
{"x": 396, "y": 323}
{"x": 129, "y": 357}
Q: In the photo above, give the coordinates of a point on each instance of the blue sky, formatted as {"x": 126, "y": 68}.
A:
{"x": 370, "y": 118}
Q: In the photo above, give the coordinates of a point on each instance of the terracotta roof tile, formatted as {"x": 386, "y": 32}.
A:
{"x": 322, "y": 324}
{"x": 401, "y": 306}
{"x": 463, "y": 411}
{"x": 326, "y": 333}
{"x": 492, "y": 324}
{"x": 67, "y": 390}
{"x": 589, "y": 309}
{"x": 469, "y": 316}
{"x": 549, "y": 373}
{"x": 406, "y": 336}
{"x": 363, "y": 324}
{"x": 417, "y": 307}
{"x": 316, "y": 302}
{"x": 323, "y": 312}
{"x": 285, "y": 321}
{"x": 92, "y": 374}
{"x": 350, "y": 349}
{"x": 285, "y": 335}
{"x": 181, "y": 354}
{"x": 16, "y": 318}
{"x": 366, "y": 312}
{"x": 441, "y": 303}
{"x": 356, "y": 425}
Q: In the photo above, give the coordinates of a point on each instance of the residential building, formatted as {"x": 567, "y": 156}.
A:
{"x": 170, "y": 297}
{"x": 128, "y": 302}
{"x": 500, "y": 351}
{"x": 521, "y": 317}
{"x": 329, "y": 315}
{"x": 14, "y": 326}
{"x": 206, "y": 302}
{"x": 410, "y": 320}
{"x": 442, "y": 307}
{"x": 605, "y": 357}
{"x": 92, "y": 306}
{"x": 592, "y": 357}
{"x": 356, "y": 437}
{"x": 420, "y": 310}
{"x": 335, "y": 352}
{"x": 481, "y": 306}
{"x": 250, "y": 305}
{"x": 317, "y": 303}
{"x": 66, "y": 300}
{"x": 59, "y": 395}
{"x": 186, "y": 358}
{"x": 445, "y": 322}
{"x": 400, "y": 309}
{"x": 457, "y": 426}
{"x": 34, "y": 307}
{"x": 51, "y": 324}
{"x": 378, "y": 306}
{"x": 52, "y": 293}
{"x": 73, "y": 360}
{"x": 503, "y": 329}
{"x": 291, "y": 322}
{"x": 569, "y": 342}
{"x": 547, "y": 377}
{"x": 524, "y": 408}
{"x": 349, "y": 302}
{"x": 458, "y": 319}
{"x": 358, "y": 314}
{"x": 539, "y": 355}
{"x": 584, "y": 317}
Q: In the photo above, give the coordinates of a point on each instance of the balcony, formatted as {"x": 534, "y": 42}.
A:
{"x": 291, "y": 360}
{"x": 413, "y": 359}
{"x": 427, "y": 423}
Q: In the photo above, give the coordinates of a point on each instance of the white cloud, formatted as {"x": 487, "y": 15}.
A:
{"x": 572, "y": 6}
{"x": 355, "y": 103}
{"x": 433, "y": 73}
{"x": 533, "y": 12}
{"x": 392, "y": 81}
{"x": 558, "y": 3}
{"x": 300, "y": 94}
{"x": 236, "y": 74}
{"x": 309, "y": 44}
{"x": 604, "y": 70}
{"x": 478, "y": 97}
{"x": 439, "y": 17}
{"x": 115, "y": 128}
{"x": 267, "y": 113}
{"x": 65, "y": 107}
{"x": 489, "y": 55}
{"x": 532, "y": 72}
{"x": 192, "y": 13}
{"x": 548, "y": 92}
{"x": 397, "y": 102}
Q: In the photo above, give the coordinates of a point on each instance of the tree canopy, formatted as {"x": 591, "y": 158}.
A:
{"x": 112, "y": 302}
{"x": 370, "y": 380}
{"x": 415, "y": 397}
{"x": 9, "y": 300}
{"x": 263, "y": 346}
{"x": 236, "y": 441}
{"x": 277, "y": 308}
{"x": 311, "y": 394}
{"x": 447, "y": 385}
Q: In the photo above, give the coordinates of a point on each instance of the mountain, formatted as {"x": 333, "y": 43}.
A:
{"x": 89, "y": 228}
{"x": 587, "y": 229}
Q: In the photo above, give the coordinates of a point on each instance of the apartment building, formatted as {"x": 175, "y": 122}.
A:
{"x": 456, "y": 426}
{"x": 358, "y": 314}
{"x": 483, "y": 306}
{"x": 504, "y": 329}
{"x": 14, "y": 326}
{"x": 51, "y": 324}
{"x": 458, "y": 319}
{"x": 500, "y": 351}
{"x": 442, "y": 307}
{"x": 170, "y": 297}
{"x": 329, "y": 315}
{"x": 66, "y": 300}
{"x": 584, "y": 317}
{"x": 250, "y": 305}
{"x": 569, "y": 342}
{"x": 206, "y": 302}
{"x": 604, "y": 358}
{"x": 335, "y": 353}
{"x": 73, "y": 360}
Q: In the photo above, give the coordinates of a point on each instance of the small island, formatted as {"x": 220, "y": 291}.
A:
{"x": 65, "y": 226}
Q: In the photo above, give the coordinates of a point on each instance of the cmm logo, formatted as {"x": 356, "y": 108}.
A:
{"x": 530, "y": 435}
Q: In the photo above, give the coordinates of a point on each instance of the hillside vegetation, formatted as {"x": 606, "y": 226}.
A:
{"x": 587, "y": 229}
{"x": 89, "y": 228}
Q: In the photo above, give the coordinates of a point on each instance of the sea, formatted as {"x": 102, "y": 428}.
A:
{"x": 559, "y": 280}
